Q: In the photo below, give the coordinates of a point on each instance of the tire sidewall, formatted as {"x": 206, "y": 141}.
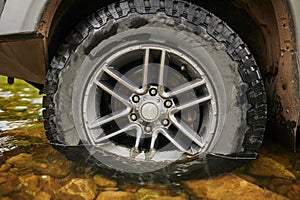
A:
{"x": 219, "y": 68}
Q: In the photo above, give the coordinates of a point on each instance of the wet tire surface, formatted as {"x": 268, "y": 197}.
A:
{"x": 104, "y": 24}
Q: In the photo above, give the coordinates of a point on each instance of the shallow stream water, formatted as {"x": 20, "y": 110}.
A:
{"x": 30, "y": 168}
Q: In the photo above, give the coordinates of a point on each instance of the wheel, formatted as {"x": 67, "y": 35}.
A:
{"x": 154, "y": 85}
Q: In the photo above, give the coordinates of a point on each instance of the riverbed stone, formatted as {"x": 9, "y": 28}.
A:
{"x": 8, "y": 183}
{"x": 58, "y": 169}
{"x": 281, "y": 181}
{"x": 247, "y": 178}
{"x": 104, "y": 182}
{"x": 42, "y": 195}
{"x": 52, "y": 185}
{"x": 147, "y": 194}
{"x": 78, "y": 189}
{"x": 283, "y": 189}
{"x": 5, "y": 167}
{"x": 22, "y": 160}
{"x": 5, "y": 198}
{"x": 48, "y": 162}
{"x": 294, "y": 192}
{"x": 29, "y": 183}
{"x": 160, "y": 193}
{"x": 297, "y": 165}
{"x": 172, "y": 198}
{"x": 115, "y": 195}
{"x": 2, "y": 180}
{"x": 266, "y": 166}
{"x": 129, "y": 187}
{"x": 227, "y": 187}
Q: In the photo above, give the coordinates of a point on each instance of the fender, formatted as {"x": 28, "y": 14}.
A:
{"x": 294, "y": 8}
{"x": 29, "y": 11}
{"x": 23, "y": 50}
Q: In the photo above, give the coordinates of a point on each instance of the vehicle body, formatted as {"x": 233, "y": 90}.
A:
{"x": 270, "y": 28}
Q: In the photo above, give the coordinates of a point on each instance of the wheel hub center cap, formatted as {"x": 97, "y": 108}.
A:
{"x": 149, "y": 111}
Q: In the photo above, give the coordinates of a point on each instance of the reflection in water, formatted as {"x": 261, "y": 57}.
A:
{"x": 6, "y": 94}
{"x": 10, "y": 125}
{"x": 6, "y": 144}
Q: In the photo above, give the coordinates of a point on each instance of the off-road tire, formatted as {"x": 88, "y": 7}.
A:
{"x": 135, "y": 15}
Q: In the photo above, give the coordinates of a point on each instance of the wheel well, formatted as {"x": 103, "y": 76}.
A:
{"x": 70, "y": 12}
{"x": 67, "y": 16}
{"x": 264, "y": 26}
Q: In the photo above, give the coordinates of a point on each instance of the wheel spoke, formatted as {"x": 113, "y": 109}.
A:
{"x": 152, "y": 151}
{"x": 167, "y": 135}
{"x": 135, "y": 150}
{"x": 162, "y": 67}
{"x": 145, "y": 74}
{"x": 108, "y": 118}
{"x": 161, "y": 76}
{"x": 121, "y": 79}
{"x": 184, "y": 88}
{"x": 186, "y": 130}
{"x": 129, "y": 127}
{"x": 139, "y": 133}
{"x": 146, "y": 68}
{"x": 110, "y": 91}
{"x": 192, "y": 103}
{"x": 153, "y": 138}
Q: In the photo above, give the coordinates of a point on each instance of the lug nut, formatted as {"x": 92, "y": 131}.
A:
{"x": 183, "y": 67}
{"x": 168, "y": 104}
{"x": 153, "y": 92}
{"x": 148, "y": 129}
{"x": 133, "y": 117}
{"x": 135, "y": 98}
{"x": 165, "y": 122}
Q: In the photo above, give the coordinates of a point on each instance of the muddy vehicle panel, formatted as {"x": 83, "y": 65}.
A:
{"x": 146, "y": 86}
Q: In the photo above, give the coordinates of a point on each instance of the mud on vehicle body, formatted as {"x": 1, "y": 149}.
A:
{"x": 150, "y": 85}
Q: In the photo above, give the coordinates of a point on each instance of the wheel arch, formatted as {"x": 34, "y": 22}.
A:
{"x": 267, "y": 27}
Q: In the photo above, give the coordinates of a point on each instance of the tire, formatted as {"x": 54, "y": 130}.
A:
{"x": 152, "y": 86}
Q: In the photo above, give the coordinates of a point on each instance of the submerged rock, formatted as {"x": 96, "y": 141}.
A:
{"x": 115, "y": 195}
{"x": 103, "y": 182}
{"x": 229, "y": 187}
{"x": 29, "y": 184}
{"x": 48, "y": 162}
{"x": 294, "y": 192}
{"x": 172, "y": 198}
{"x": 32, "y": 186}
{"x": 78, "y": 189}
{"x": 159, "y": 193}
{"x": 147, "y": 194}
{"x": 8, "y": 183}
{"x": 5, "y": 167}
{"x": 22, "y": 160}
{"x": 297, "y": 165}
{"x": 5, "y": 198}
{"x": 42, "y": 195}
{"x": 265, "y": 166}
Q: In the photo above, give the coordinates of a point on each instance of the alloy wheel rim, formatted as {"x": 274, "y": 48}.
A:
{"x": 156, "y": 98}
